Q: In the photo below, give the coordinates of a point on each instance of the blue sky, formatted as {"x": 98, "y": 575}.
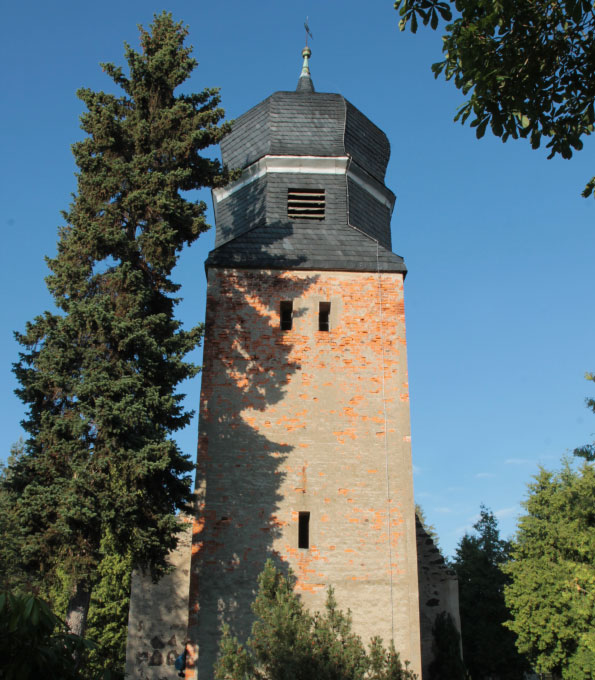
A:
{"x": 498, "y": 242}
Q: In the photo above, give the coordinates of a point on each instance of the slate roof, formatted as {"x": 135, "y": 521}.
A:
{"x": 305, "y": 245}
{"x": 305, "y": 84}
{"x": 252, "y": 226}
{"x": 306, "y": 123}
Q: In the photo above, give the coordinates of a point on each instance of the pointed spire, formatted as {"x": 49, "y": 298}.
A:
{"x": 305, "y": 83}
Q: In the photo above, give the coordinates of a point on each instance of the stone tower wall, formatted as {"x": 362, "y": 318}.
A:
{"x": 305, "y": 421}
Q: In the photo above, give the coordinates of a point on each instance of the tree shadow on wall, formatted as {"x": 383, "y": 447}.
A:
{"x": 248, "y": 364}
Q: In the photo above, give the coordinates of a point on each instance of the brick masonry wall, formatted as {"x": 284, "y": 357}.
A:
{"x": 294, "y": 421}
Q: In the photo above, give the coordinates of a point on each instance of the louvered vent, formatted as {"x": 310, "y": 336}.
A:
{"x": 305, "y": 204}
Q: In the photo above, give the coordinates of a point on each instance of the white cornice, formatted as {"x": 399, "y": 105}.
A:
{"x": 385, "y": 197}
{"x": 307, "y": 165}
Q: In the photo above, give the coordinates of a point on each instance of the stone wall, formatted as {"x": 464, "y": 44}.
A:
{"x": 158, "y": 618}
{"x": 438, "y": 592}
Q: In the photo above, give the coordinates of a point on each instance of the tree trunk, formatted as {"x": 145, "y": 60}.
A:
{"x": 78, "y": 608}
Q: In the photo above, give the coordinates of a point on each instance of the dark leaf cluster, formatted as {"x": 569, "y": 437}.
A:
{"x": 35, "y": 643}
{"x": 527, "y": 66}
{"x": 588, "y": 450}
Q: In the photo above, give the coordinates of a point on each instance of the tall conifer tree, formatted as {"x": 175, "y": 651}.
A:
{"x": 99, "y": 377}
{"x": 488, "y": 647}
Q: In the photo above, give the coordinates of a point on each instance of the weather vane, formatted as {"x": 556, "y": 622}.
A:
{"x": 308, "y": 31}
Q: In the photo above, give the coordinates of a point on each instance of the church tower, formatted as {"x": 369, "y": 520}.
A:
{"x": 304, "y": 436}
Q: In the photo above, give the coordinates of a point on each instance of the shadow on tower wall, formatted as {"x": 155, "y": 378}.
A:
{"x": 248, "y": 364}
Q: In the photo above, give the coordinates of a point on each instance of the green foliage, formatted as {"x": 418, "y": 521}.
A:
{"x": 430, "y": 529}
{"x": 289, "y": 643}
{"x": 488, "y": 647}
{"x": 100, "y": 377}
{"x": 34, "y": 643}
{"x": 447, "y": 663}
{"x": 588, "y": 451}
{"x": 528, "y": 67}
{"x": 108, "y": 612}
{"x": 386, "y": 664}
{"x": 107, "y": 624}
{"x": 552, "y": 591}
{"x": 10, "y": 576}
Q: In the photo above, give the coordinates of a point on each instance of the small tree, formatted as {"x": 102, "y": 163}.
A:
{"x": 100, "y": 377}
{"x": 488, "y": 647}
{"x": 289, "y": 643}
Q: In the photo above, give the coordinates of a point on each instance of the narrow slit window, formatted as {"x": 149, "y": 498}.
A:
{"x": 304, "y": 530}
{"x": 324, "y": 313}
{"x": 305, "y": 204}
{"x": 286, "y": 314}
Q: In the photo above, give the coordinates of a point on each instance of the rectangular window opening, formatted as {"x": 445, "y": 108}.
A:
{"x": 324, "y": 312}
{"x": 286, "y": 314}
{"x": 304, "y": 530}
{"x": 305, "y": 204}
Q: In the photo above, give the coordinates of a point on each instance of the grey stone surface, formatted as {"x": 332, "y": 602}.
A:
{"x": 438, "y": 592}
{"x": 158, "y": 617}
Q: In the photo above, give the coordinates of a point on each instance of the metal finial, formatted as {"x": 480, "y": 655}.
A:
{"x": 305, "y": 83}
{"x": 306, "y": 53}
